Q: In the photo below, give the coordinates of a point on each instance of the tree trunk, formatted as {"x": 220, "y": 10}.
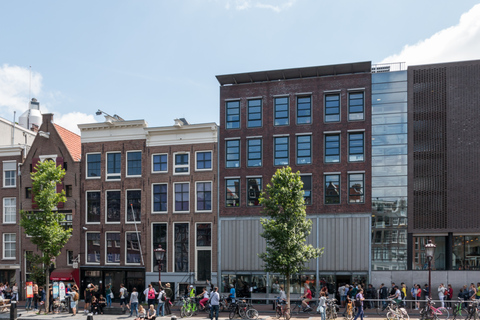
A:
{"x": 47, "y": 290}
{"x": 287, "y": 290}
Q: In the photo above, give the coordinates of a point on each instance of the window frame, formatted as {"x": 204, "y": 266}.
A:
{"x": 99, "y": 247}
{"x": 339, "y": 188}
{"x": 311, "y": 188}
{"x": 106, "y": 247}
{"x": 302, "y": 96}
{"x": 254, "y": 113}
{"x": 175, "y": 166}
{"x": 362, "y": 195}
{"x": 259, "y": 191}
{"x": 127, "y": 207}
{"x": 153, "y": 197}
{"x": 4, "y": 246}
{"x": 153, "y": 247}
{"x": 275, "y": 150}
{"x": 238, "y": 154}
{"x": 239, "y": 192}
{"x": 202, "y": 248}
{"x": 160, "y": 163}
{"x": 329, "y": 94}
{"x": 14, "y": 170}
{"x": 113, "y": 176}
{"x": 350, "y": 133}
{"x": 275, "y": 111}
{"x": 297, "y": 137}
{"x": 350, "y": 93}
{"x": 4, "y": 206}
{"x": 196, "y": 196}
{"x": 175, "y": 246}
{"x": 128, "y": 161}
{"x": 139, "y": 239}
{"x": 339, "y": 148}
{"x": 106, "y": 206}
{"x": 227, "y": 108}
{"x": 211, "y": 160}
{"x": 261, "y": 152}
{"x": 87, "y": 162}
{"x": 174, "y": 197}
{"x": 99, "y": 206}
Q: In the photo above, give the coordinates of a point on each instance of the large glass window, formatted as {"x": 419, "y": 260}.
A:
{"x": 204, "y": 251}
{"x": 160, "y": 162}
{"x": 254, "y": 187}
{"x": 113, "y": 247}
{"x": 281, "y": 111}
{"x": 304, "y": 110}
{"x": 304, "y": 149}
{"x": 9, "y": 246}
{"x": 181, "y": 236}
{"x": 204, "y": 160}
{"x": 280, "y": 152}
{"x": 182, "y": 162}
{"x": 332, "y": 189}
{"x": 182, "y": 197}
{"x": 134, "y": 205}
{"x": 233, "y": 153}
{"x": 356, "y": 151}
{"x": 159, "y": 237}
{"x": 134, "y": 163}
{"x": 160, "y": 197}
{"x": 133, "y": 247}
{"x": 466, "y": 252}
{"x": 113, "y": 205}
{"x": 307, "y": 189}
{"x": 233, "y": 114}
{"x": 355, "y": 188}
{"x": 332, "y": 107}
{"x": 93, "y": 165}
{"x": 332, "y": 148}
{"x": 204, "y": 235}
{"x": 254, "y": 156}
{"x": 232, "y": 192}
{"x": 114, "y": 165}
{"x": 93, "y": 247}
{"x": 9, "y": 210}
{"x": 254, "y": 113}
{"x": 204, "y": 196}
{"x": 356, "y": 106}
{"x": 93, "y": 206}
{"x": 9, "y": 174}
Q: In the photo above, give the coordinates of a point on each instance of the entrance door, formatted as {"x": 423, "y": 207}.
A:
{"x": 204, "y": 265}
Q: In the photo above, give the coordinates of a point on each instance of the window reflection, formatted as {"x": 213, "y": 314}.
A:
{"x": 466, "y": 253}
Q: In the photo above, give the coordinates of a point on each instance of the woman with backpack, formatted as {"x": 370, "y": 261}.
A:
{"x": 359, "y": 304}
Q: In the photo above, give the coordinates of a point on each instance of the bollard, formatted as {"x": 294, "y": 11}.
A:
{"x": 173, "y": 318}
{"x": 13, "y": 310}
{"x": 89, "y": 316}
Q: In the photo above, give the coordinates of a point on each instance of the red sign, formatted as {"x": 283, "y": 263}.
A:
{"x": 29, "y": 289}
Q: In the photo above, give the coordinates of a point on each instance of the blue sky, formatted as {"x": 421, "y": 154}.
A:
{"x": 157, "y": 60}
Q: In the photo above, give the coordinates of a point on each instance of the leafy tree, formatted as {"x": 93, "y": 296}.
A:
{"x": 287, "y": 227}
{"x": 44, "y": 226}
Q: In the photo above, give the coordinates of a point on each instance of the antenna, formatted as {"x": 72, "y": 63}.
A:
{"x": 30, "y": 85}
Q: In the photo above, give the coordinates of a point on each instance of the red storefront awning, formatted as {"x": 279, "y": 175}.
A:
{"x": 67, "y": 274}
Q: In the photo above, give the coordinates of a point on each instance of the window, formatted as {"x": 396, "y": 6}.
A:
{"x": 233, "y": 153}
{"x": 133, "y": 248}
{"x": 134, "y": 163}
{"x": 232, "y": 192}
{"x": 254, "y": 156}
{"x": 233, "y": 114}
{"x": 93, "y": 165}
{"x": 204, "y": 160}
{"x": 332, "y": 189}
{"x": 159, "y": 163}
{"x": 181, "y": 163}
{"x": 9, "y": 210}
{"x": 159, "y": 237}
{"x": 93, "y": 247}
{"x": 204, "y": 251}
{"x": 204, "y": 196}
{"x": 160, "y": 197}
{"x": 9, "y": 174}
{"x": 68, "y": 222}
{"x": 304, "y": 110}
{"x": 68, "y": 190}
{"x": 280, "y": 151}
{"x": 204, "y": 235}
{"x": 355, "y": 106}
{"x": 332, "y": 148}
{"x": 281, "y": 111}
{"x": 28, "y": 193}
{"x": 307, "y": 189}
{"x": 254, "y": 187}
{"x": 134, "y": 205}
{"x": 70, "y": 257}
{"x": 304, "y": 149}
{"x": 355, "y": 188}
{"x": 93, "y": 206}
{"x": 182, "y": 197}
{"x": 9, "y": 246}
{"x": 181, "y": 236}
{"x": 332, "y": 107}
{"x": 355, "y": 147}
{"x": 254, "y": 113}
{"x": 114, "y": 165}
{"x": 113, "y": 205}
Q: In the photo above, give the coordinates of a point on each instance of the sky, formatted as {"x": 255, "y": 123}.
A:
{"x": 157, "y": 59}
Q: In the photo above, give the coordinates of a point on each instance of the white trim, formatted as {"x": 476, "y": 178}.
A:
{"x": 45, "y": 157}
{"x": 332, "y": 91}
{"x": 139, "y": 238}
{"x": 128, "y": 208}
{"x": 5, "y": 210}
{"x": 254, "y": 137}
{"x": 106, "y": 206}
{"x": 86, "y": 247}
{"x": 234, "y": 177}
{"x": 281, "y": 135}
{"x": 332, "y": 132}
{"x": 285, "y": 95}
{"x": 354, "y": 172}
{"x": 304, "y": 94}
{"x": 67, "y": 251}
{"x": 126, "y": 164}
{"x": 306, "y": 174}
{"x": 86, "y": 165}
{"x": 246, "y": 191}
{"x": 205, "y": 248}
{"x": 106, "y": 248}
{"x": 303, "y": 134}
{"x": 174, "y": 246}
{"x": 331, "y": 173}
{"x": 86, "y": 206}
{"x": 153, "y": 261}
{"x": 15, "y": 168}
{"x": 356, "y": 89}
{"x": 232, "y": 99}
{"x": 211, "y": 196}
{"x": 152, "y": 202}
{"x": 356, "y": 130}
{"x": 189, "y": 196}
{"x": 175, "y": 166}
{"x": 106, "y": 167}
{"x": 211, "y": 160}
{"x": 4, "y": 246}
{"x": 255, "y": 176}
{"x": 159, "y": 154}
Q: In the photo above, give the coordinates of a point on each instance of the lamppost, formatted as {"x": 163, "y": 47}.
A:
{"x": 430, "y": 252}
{"x": 159, "y": 254}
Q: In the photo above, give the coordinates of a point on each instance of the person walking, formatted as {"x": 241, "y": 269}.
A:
{"x": 449, "y": 296}
{"x": 161, "y": 302}
{"x": 383, "y": 294}
{"x": 74, "y": 296}
{"x": 321, "y": 305}
{"x": 215, "y": 303}
{"x": 359, "y": 304}
{"x": 134, "y": 302}
{"x": 108, "y": 293}
{"x": 169, "y": 297}
{"x": 36, "y": 297}
{"x": 123, "y": 296}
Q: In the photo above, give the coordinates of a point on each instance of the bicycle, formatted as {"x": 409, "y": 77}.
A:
{"x": 350, "y": 310}
{"x": 59, "y": 306}
{"x": 298, "y": 307}
{"x": 395, "y": 312}
{"x": 430, "y": 312}
{"x": 187, "y": 309}
{"x": 243, "y": 309}
{"x": 458, "y": 308}
{"x": 473, "y": 312}
{"x": 281, "y": 310}
{"x": 331, "y": 309}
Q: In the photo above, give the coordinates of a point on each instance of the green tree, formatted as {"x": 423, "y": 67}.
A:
{"x": 287, "y": 227}
{"x": 44, "y": 226}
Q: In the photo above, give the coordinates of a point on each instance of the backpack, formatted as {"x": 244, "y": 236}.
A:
{"x": 313, "y": 291}
{"x": 358, "y": 302}
{"x": 402, "y": 294}
{"x": 163, "y": 298}
{"x": 75, "y": 296}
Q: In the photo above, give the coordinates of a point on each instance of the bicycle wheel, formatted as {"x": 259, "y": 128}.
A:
{"x": 391, "y": 315}
{"x": 232, "y": 313}
{"x": 295, "y": 309}
{"x": 442, "y": 313}
{"x": 380, "y": 310}
{"x": 242, "y": 312}
{"x": 182, "y": 312}
{"x": 252, "y": 314}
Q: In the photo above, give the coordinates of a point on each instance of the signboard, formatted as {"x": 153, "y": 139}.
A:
{"x": 55, "y": 290}
{"x": 61, "y": 289}
{"x": 29, "y": 289}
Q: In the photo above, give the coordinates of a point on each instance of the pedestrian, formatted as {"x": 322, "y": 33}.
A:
{"x": 88, "y": 297}
{"x": 215, "y": 303}
{"x": 28, "y": 303}
{"x": 74, "y": 296}
{"x": 151, "y": 313}
{"x": 123, "y": 296}
{"x": 36, "y": 297}
{"x": 161, "y": 302}
{"x": 419, "y": 296}
{"x": 441, "y": 294}
{"x": 321, "y": 305}
{"x": 449, "y": 296}
{"x": 151, "y": 294}
{"x": 41, "y": 300}
{"x": 108, "y": 293}
{"x": 168, "y": 299}
{"x": 134, "y": 302}
{"x": 359, "y": 304}
{"x": 383, "y": 294}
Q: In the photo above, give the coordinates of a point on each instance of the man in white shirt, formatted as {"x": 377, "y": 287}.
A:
{"x": 215, "y": 303}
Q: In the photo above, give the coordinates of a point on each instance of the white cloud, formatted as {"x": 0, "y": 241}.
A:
{"x": 459, "y": 42}
{"x": 71, "y": 120}
{"x": 273, "y": 5}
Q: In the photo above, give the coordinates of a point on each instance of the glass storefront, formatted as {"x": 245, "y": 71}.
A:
{"x": 466, "y": 253}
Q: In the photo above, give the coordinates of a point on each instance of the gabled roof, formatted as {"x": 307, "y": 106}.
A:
{"x": 72, "y": 142}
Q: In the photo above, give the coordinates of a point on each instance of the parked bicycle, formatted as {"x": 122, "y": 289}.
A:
{"x": 430, "y": 312}
{"x": 473, "y": 312}
{"x": 188, "y": 307}
{"x": 331, "y": 309}
{"x": 243, "y": 309}
{"x": 59, "y": 306}
{"x": 458, "y": 309}
{"x": 281, "y": 310}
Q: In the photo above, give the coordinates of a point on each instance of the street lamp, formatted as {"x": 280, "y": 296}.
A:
{"x": 430, "y": 252}
{"x": 159, "y": 254}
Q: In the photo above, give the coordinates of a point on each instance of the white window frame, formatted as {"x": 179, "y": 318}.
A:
{"x": 86, "y": 247}
{"x": 107, "y": 175}
{"x": 73, "y": 257}
{"x": 106, "y": 206}
{"x": 152, "y": 204}
{"x": 211, "y": 194}
{"x": 174, "y": 247}
{"x": 211, "y": 160}
{"x": 159, "y": 154}
{"x": 4, "y": 244}
{"x": 86, "y": 164}
{"x": 127, "y": 207}
{"x": 197, "y": 248}
{"x": 152, "y": 253}
{"x": 139, "y": 236}
{"x": 175, "y": 166}
{"x": 14, "y": 170}
{"x": 86, "y": 207}
{"x": 5, "y": 211}
{"x": 126, "y": 166}
{"x": 106, "y": 246}
{"x": 189, "y": 196}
